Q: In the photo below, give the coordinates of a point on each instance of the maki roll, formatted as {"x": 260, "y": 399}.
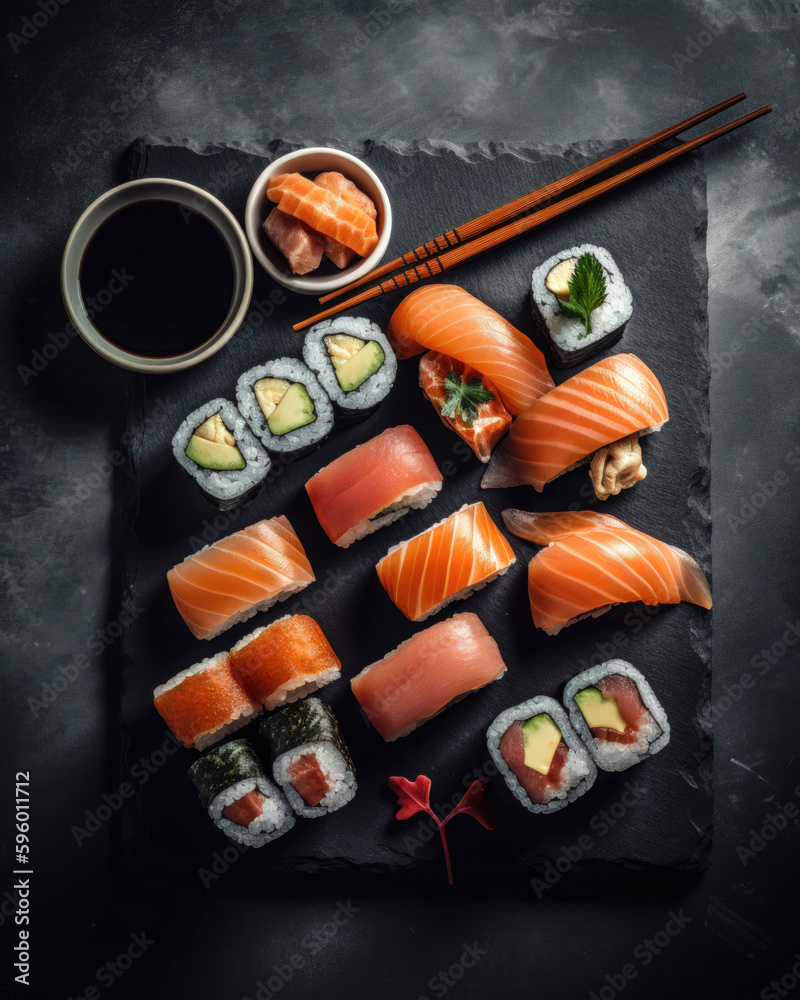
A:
{"x": 310, "y": 760}
{"x": 540, "y": 756}
{"x": 284, "y": 661}
{"x": 216, "y": 447}
{"x": 374, "y": 484}
{"x": 354, "y": 362}
{"x": 580, "y": 304}
{"x": 616, "y": 714}
{"x": 205, "y": 703}
{"x": 285, "y": 406}
{"x": 239, "y": 797}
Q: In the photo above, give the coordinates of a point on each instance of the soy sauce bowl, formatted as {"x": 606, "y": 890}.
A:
{"x": 312, "y": 161}
{"x": 187, "y": 196}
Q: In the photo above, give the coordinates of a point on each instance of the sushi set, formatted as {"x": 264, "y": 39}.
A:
{"x": 481, "y": 441}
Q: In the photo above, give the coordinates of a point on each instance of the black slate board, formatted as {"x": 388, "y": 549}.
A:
{"x": 655, "y": 815}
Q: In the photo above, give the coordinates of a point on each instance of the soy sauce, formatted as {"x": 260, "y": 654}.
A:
{"x": 158, "y": 279}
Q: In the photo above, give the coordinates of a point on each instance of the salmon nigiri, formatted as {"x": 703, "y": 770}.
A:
{"x": 445, "y": 563}
{"x": 594, "y": 561}
{"x": 447, "y": 319}
{"x": 237, "y": 576}
{"x": 597, "y": 415}
{"x": 342, "y": 186}
{"x": 324, "y": 211}
{"x": 426, "y": 674}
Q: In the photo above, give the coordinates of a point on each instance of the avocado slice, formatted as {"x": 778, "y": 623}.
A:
{"x": 212, "y": 446}
{"x": 598, "y": 710}
{"x": 541, "y": 736}
{"x": 269, "y": 392}
{"x": 358, "y": 369}
{"x": 295, "y": 410}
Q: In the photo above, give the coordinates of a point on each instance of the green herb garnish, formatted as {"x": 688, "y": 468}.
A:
{"x": 462, "y": 399}
{"x": 587, "y": 290}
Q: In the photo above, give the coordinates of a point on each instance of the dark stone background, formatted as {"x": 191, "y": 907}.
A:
{"x": 94, "y": 77}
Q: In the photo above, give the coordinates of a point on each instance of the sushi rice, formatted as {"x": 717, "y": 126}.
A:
{"x": 361, "y": 402}
{"x": 340, "y": 777}
{"x": 654, "y": 735}
{"x": 417, "y": 498}
{"x": 579, "y": 773}
{"x": 225, "y": 488}
{"x": 273, "y": 822}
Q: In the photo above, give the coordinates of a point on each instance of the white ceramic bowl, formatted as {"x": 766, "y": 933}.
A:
{"x": 156, "y": 189}
{"x": 312, "y": 161}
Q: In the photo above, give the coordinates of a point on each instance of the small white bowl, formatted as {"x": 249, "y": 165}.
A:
{"x": 313, "y": 161}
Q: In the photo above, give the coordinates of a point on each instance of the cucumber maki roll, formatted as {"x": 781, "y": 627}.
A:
{"x": 354, "y": 362}
{"x": 285, "y": 406}
{"x": 239, "y": 797}
{"x": 540, "y": 756}
{"x": 218, "y": 450}
{"x": 581, "y": 304}
{"x": 616, "y": 714}
{"x": 310, "y": 760}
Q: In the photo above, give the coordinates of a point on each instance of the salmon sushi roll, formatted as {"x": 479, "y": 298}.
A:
{"x": 445, "y": 563}
{"x": 231, "y": 580}
{"x": 284, "y": 661}
{"x": 427, "y": 674}
{"x": 540, "y": 756}
{"x": 205, "y": 703}
{"x": 374, "y": 484}
{"x": 617, "y": 715}
{"x": 310, "y": 760}
{"x": 239, "y": 797}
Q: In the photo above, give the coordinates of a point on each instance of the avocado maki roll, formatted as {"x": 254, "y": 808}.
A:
{"x": 218, "y": 450}
{"x": 616, "y": 714}
{"x": 354, "y": 362}
{"x": 310, "y": 760}
{"x": 581, "y": 304}
{"x": 540, "y": 756}
{"x": 239, "y": 797}
{"x": 285, "y": 406}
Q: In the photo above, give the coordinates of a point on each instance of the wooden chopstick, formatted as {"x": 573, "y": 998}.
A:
{"x": 499, "y": 215}
{"x": 452, "y": 258}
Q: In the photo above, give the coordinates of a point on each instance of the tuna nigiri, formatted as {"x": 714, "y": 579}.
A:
{"x": 445, "y": 563}
{"x": 342, "y": 186}
{"x": 594, "y": 561}
{"x": 447, "y": 319}
{"x": 299, "y": 244}
{"x": 466, "y": 401}
{"x": 601, "y": 412}
{"x": 237, "y": 576}
{"x": 324, "y": 211}
{"x": 374, "y": 484}
{"x": 426, "y": 674}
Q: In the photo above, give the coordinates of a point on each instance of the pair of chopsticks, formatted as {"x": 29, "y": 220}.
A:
{"x": 476, "y": 237}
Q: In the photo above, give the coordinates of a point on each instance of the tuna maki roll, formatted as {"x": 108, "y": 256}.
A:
{"x": 239, "y": 797}
{"x": 540, "y": 756}
{"x": 580, "y": 304}
{"x": 616, "y": 714}
{"x": 216, "y": 447}
{"x": 310, "y": 760}
{"x": 285, "y": 406}
{"x": 354, "y": 362}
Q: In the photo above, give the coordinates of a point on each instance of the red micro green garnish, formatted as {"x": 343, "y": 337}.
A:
{"x": 415, "y": 796}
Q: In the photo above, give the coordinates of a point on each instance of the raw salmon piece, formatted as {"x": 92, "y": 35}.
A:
{"x": 625, "y": 692}
{"x": 308, "y": 779}
{"x": 239, "y": 575}
{"x": 299, "y": 244}
{"x": 609, "y": 401}
{"x": 284, "y": 661}
{"x": 349, "y": 493}
{"x": 493, "y": 419}
{"x": 426, "y": 674}
{"x": 324, "y": 211}
{"x": 445, "y": 563}
{"x": 342, "y": 186}
{"x": 512, "y": 749}
{"x": 447, "y": 319}
{"x": 244, "y": 810}
{"x": 594, "y": 561}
